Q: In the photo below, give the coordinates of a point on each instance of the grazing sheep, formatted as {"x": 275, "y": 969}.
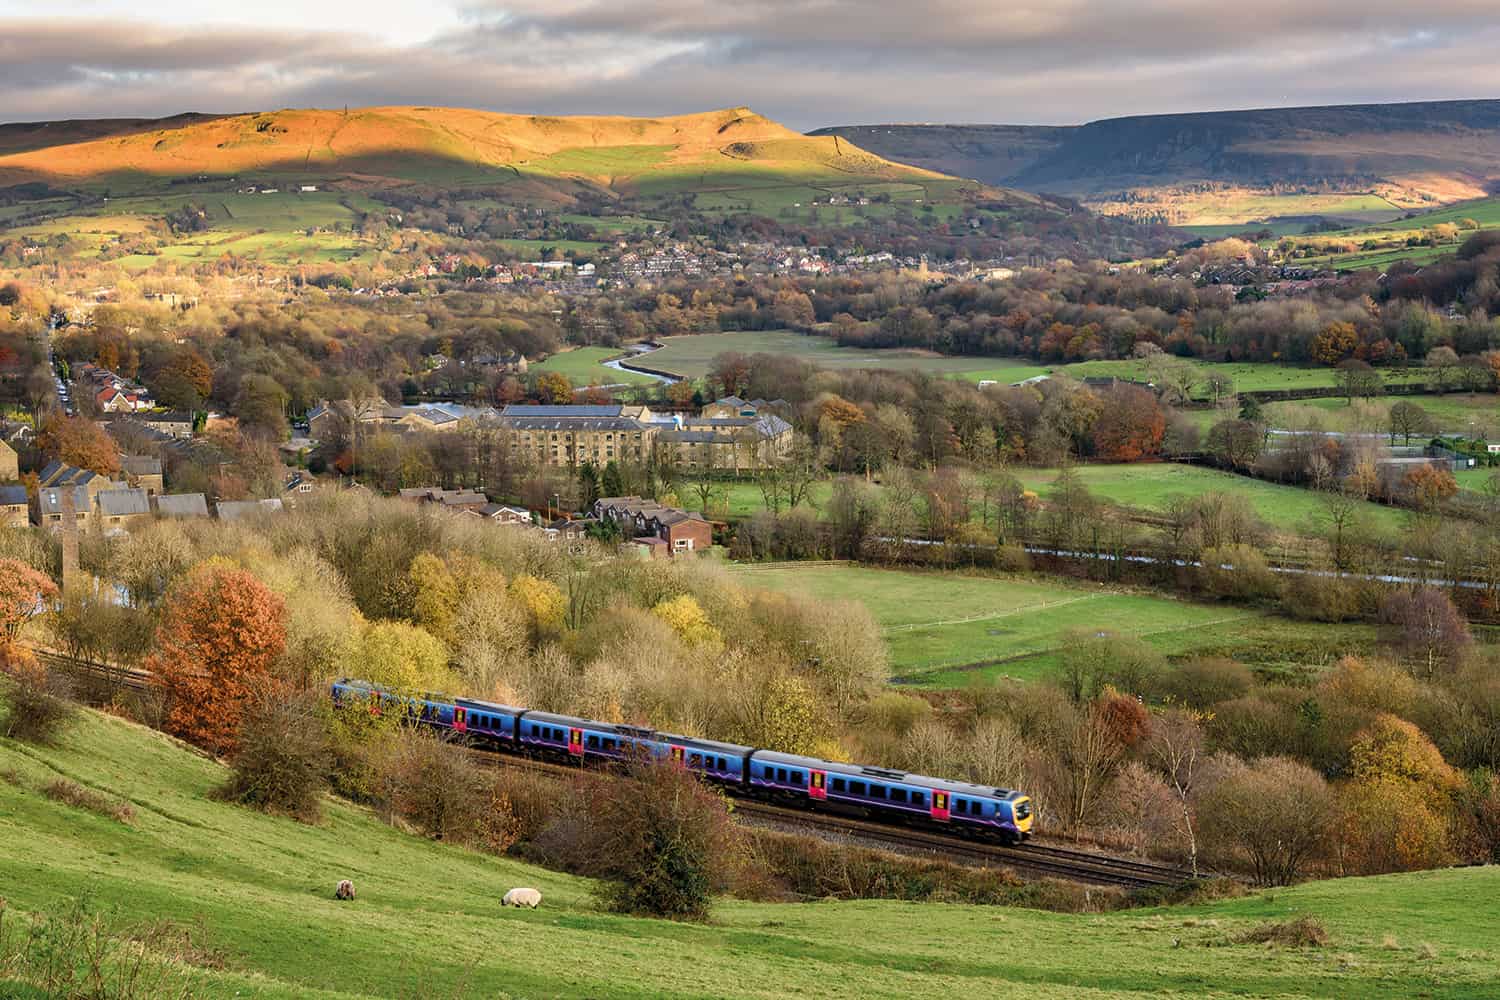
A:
{"x": 345, "y": 890}
{"x": 523, "y": 897}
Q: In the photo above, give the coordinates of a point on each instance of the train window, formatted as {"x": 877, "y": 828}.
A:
{"x": 919, "y": 798}
{"x": 838, "y": 784}
{"x": 857, "y": 788}
{"x": 797, "y": 777}
{"x": 723, "y": 764}
{"x": 781, "y": 774}
{"x": 695, "y": 760}
{"x": 593, "y": 742}
{"x": 898, "y": 795}
{"x": 877, "y": 791}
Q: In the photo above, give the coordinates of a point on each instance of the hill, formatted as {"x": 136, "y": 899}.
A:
{"x": 255, "y": 894}
{"x": 1307, "y": 161}
{"x": 543, "y": 156}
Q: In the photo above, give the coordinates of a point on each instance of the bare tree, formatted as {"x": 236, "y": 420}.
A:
{"x": 1175, "y": 747}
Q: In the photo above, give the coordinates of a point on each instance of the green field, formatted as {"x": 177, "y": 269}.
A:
{"x": 691, "y": 356}
{"x": 1148, "y": 485}
{"x": 585, "y": 366}
{"x": 1247, "y": 376}
{"x": 953, "y": 629}
{"x": 581, "y": 248}
{"x": 257, "y": 892}
{"x": 1476, "y": 415}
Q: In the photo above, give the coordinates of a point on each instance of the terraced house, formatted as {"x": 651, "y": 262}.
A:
{"x": 574, "y": 435}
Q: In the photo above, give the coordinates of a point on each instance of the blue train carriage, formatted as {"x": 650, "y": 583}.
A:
{"x": 486, "y": 723}
{"x": 997, "y": 812}
{"x": 720, "y": 762}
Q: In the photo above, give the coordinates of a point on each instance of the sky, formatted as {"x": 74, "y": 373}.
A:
{"x": 806, "y": 63}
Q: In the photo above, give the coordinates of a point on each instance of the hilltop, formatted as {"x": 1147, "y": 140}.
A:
{"x": 545, "y": 156}
{"x": 255, "y": 893}
{"x": 1396, "y": 157}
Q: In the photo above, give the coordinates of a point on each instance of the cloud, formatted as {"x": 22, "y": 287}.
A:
{"x": 805, "y": 62}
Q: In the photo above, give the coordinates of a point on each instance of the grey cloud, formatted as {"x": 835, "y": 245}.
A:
{"x": 807, "y": 63}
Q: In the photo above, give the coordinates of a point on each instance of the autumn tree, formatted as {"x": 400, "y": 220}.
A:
{"x": 1093, "y": 746}
{"x": 1130, "y": 424}
{"x": 1335, "y": 342}
{"x": 80, "y": 442}
{"x": 1427, "y": 486}
{"x": 1408, "y": 420}
{"x": 402, "y": 656}
{"x": 1235, "y": 443}
{"x": 1432, "y": 632}
{"x": 543, "y": 602}
{"x": 1273, "y": 815}
{"x": 554, "y": 388}
{"x": 24, "y": 594}
{"x": 1357, "y": 379}
{"x": 686, "y": 617}
{"x": 219, "y": 637}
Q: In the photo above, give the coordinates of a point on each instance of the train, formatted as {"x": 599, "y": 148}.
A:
{"x": 884, "y": 794}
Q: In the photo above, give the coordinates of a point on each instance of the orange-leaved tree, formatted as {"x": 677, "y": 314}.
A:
{"x": 222, "y": 631}
{"x": 81, "y": 442}
{"x": 24, "y": 594}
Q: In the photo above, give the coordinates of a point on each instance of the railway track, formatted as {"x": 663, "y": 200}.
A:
{"x": 1040, "y": 859}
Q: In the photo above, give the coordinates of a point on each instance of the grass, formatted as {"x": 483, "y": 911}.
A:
{"x": 1248, "y": 376}
{"x": 258, "y": 891}
{"x": 1147, "y": 486}
{"x": 691, "y": 356}
{"x": 1472, "y": 415}
{"x": 585, "y": 366}
{"x": 953, "y": 629}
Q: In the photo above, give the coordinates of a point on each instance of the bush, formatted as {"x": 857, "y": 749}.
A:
{"x": 69, "y": 793}
{"x": 38, "y": 705}
{"x": 442, "y": 791}
{"x": 282, "y": 758}
{"x": 661, "y": 839}
{"x": 1207, "y": 681}
{"x": 1299, "y": 932}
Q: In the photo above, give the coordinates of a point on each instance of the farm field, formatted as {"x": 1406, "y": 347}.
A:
{"x": 1242, "y": 207}
{"x": 537, "y": 247}
{"x": 1472, "y": 415}
{"x": 257, "y": 892}
{"x": 585, "y": 366}
{"x": 1148, "y": 485}
{"x": 691, "y": 356}
{"x": 955, "y": 629}
{"x": 1248, "y": 376}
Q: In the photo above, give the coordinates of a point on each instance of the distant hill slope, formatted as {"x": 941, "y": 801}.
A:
{"x": 1410, "y": 155}
{"x": 440, "y": 145}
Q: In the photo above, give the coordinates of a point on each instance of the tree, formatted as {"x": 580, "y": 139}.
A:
{"x": 687, "y": 619}
{"x": 1442, "y": 363}
{"x": 1335, "y": 342}
{"x": 1274, "y": 815}
{"x": 554, "y": 388}
{"x": 219, "y": 637}
{"x": 1094, "y": 744}
{"x": 730, "y": 371}
{"x": 1220, "y": 387}
{"x": 1408, "y": 420}
{"x": 1428, "y": 486}
{"x": 1388, "y": 825}
{"x": 1357, "y": 378}
{"x": 1432, "y": 631}
{"x": 261, "y": 407}
{"x": 1235, "y": 443}
{"x": 282, "y": 759}
{"x": 434, "y": 594}
{"x": 1130, "y": 424}
{"x": 24, "y": 594}
{"x": 544, "y": 603}
{"x": 80, "y": 442}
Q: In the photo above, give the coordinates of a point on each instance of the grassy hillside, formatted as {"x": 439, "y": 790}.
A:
{"x": 1360, "y": 162}
{"x": 428, "y": 923}
{"x": 951, "y": 630}
{"x": 452, "y": 146}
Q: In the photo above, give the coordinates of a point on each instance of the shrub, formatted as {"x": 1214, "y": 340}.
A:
{"x": 1207, "y": 681}
{"x": 38, "y": 709}
{"x": 282, "y": 758}
{"x": 1299, "y": 932}
{"x": 662, "y": 840}
{"x": 75, "y": 795}
{"x": 1272, "y": 816}
{"x": 440, "y": 789}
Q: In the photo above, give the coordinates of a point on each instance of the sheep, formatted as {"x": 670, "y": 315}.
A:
{"x": 345, "y": 890}
{"x": 523, "y": 897}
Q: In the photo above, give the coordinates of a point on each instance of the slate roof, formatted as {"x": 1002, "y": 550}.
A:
{"x": 50, "y": 499}
{"x": 529, "y": 410}
{"x": 141, "y": 465}
{"x": 123, "y": 503}
{"x": 12, "y": 495}
{"x": 232, "y": 510}
{"x": 182, "y": 505}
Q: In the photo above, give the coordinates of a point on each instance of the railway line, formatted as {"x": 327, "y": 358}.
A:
{"x": 1035, "y": 858}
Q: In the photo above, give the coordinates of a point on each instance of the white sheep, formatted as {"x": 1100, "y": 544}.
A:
{"x": 523, "y": 897}
{"x": 345, "y": 890}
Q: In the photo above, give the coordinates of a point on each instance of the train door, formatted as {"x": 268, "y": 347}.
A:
{"x": 677, "y": 756}
{"x": 575, "y": 742}
{"x": 940, "y": 806}
{"x": 817, "y": 784}
{"x": 460, "y": 720}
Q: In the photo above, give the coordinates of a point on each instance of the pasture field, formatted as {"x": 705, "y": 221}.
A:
{"x": 691, "y": 356}
{"x": 585, "y": 366}
{"x": 582, "y": 248}
{"x": 949, "y": 629}
{"x": 257, "y": 893}
{"x": 1144, "y": 486}
{"x": 1148, "y": 485}
{"x": 1472, "y": 415}
{"x": 1242, "y": 207}
{"x": 1248, "y": 376}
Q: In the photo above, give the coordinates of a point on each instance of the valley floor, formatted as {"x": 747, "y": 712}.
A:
{"x": 428, "y": 920}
